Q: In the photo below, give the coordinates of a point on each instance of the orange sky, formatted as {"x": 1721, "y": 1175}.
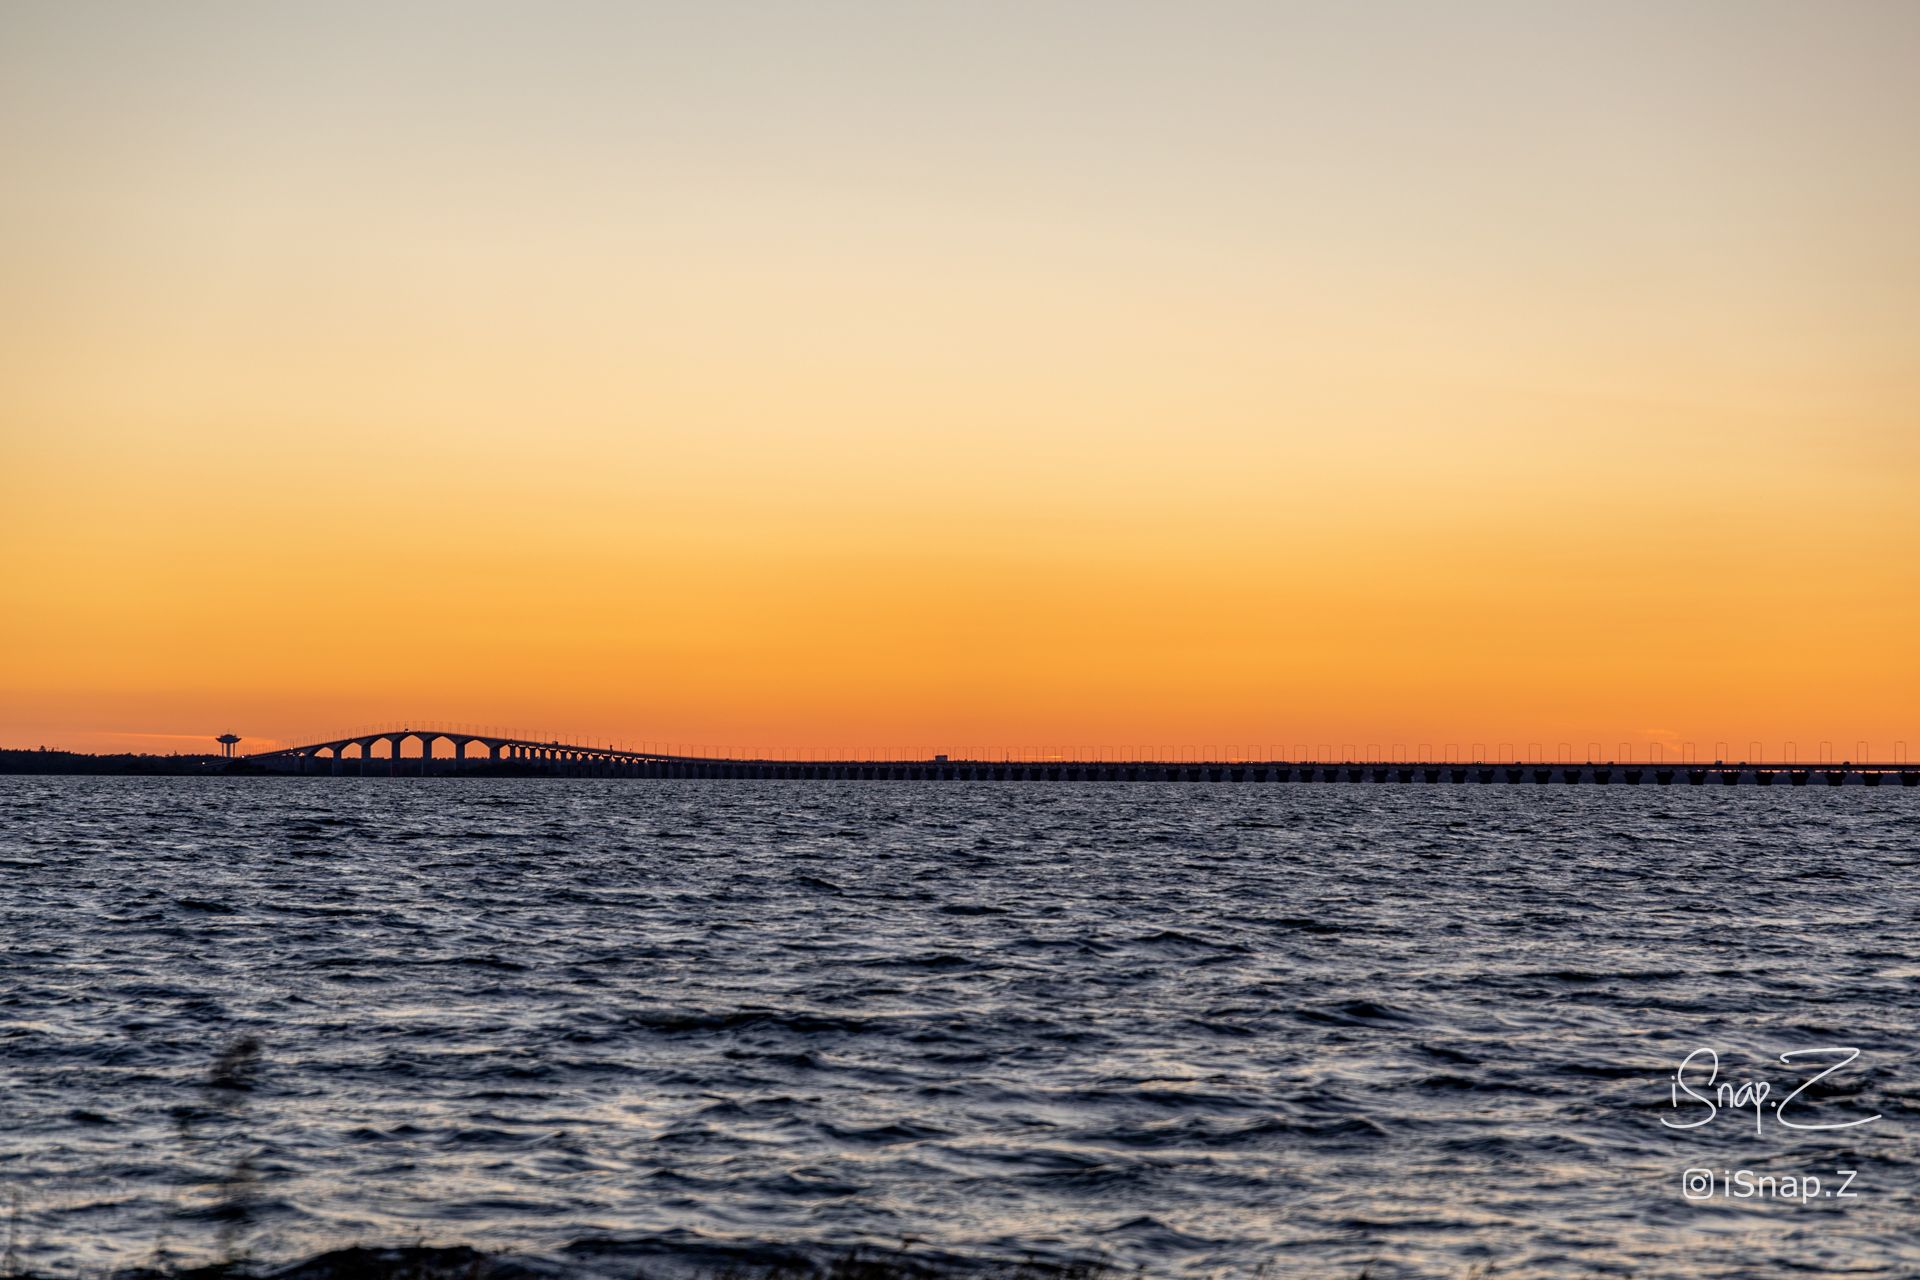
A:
{"x": 895, "y": 378}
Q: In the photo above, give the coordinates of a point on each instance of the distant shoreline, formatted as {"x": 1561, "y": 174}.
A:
{"x": 30, "y": 762}
{"x": 36, "y": 760}
{"x": 16, "y": 762}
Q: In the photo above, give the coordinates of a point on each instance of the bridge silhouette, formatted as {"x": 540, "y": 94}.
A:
{"x": 480, "y": 752}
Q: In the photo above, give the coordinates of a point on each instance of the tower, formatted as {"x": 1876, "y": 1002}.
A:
{"x": 227, "y": 742}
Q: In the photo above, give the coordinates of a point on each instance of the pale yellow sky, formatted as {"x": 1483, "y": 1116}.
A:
{"x": 832, "y": 375}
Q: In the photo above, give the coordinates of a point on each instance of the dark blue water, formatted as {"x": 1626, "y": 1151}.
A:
{"x": 1194, "y": 1029}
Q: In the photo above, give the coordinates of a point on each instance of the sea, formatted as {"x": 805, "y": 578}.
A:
{"x": 633, "y": 1028}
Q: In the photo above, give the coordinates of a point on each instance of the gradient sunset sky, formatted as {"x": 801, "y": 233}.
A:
{"x": 961, "y": 377}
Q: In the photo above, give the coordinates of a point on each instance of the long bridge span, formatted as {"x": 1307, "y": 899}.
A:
{"x": 474, "y": 752}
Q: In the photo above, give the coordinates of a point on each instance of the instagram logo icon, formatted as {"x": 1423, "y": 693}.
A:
{"x": 1697, "y": 1184}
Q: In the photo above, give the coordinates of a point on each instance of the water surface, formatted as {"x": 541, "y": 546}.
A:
{"x": 1192, "y": 1028}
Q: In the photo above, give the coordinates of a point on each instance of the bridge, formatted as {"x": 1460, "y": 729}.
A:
{"x": 488, "y": 753}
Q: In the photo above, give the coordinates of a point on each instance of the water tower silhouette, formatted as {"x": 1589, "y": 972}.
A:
{"x": 227, "y": 743}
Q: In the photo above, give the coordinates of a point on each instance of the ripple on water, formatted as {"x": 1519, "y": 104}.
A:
{"x": 1195, "y": 1029}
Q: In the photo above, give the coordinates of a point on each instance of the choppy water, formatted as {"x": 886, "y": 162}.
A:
{"x": 1197, "y": 1029}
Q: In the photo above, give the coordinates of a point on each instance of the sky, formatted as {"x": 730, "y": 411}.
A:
{"x": 1042, "y": 377}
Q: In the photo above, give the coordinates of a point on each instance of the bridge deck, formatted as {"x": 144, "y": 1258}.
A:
{"x": 522, "y": 757}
